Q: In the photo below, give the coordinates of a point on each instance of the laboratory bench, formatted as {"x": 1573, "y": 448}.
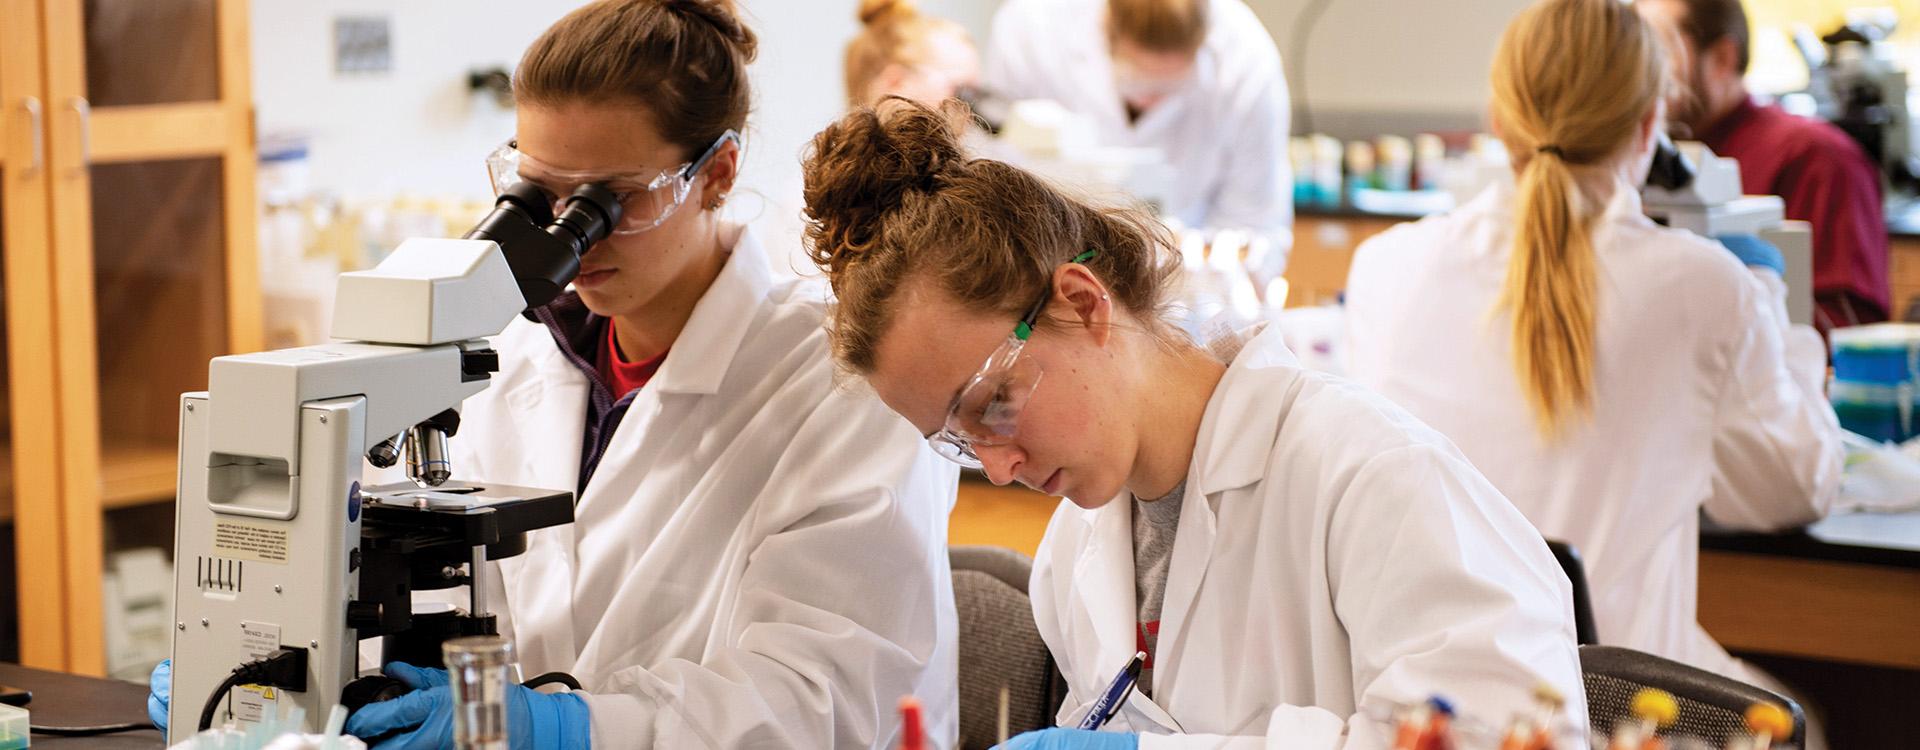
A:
{"x": 65, "y": 700}
{"x": 1324, "y": 239}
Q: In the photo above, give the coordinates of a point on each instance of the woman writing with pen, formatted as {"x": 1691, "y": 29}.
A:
{"x": 1296, "y": 556}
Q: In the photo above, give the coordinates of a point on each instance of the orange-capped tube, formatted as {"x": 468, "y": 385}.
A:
{"x": 1768, "y": 722}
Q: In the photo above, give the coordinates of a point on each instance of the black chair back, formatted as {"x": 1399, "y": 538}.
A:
{"x": 1000, "y": 646}
{"x": 1584, "y": 630}
{"x": 1712, "y": 707}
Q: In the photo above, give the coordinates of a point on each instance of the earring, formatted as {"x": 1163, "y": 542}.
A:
{"x": 715, "y": 204}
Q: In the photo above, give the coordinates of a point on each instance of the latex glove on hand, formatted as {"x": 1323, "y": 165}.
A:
{"x": 423, "y": 719}
{"x": 159, "y": 693}
{"x": 1073, "y": 739}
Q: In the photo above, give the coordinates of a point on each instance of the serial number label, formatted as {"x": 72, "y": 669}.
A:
{"x": 250, "y": 541}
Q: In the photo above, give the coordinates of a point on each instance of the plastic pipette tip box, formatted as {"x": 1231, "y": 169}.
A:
{"x": 14, "y": 732}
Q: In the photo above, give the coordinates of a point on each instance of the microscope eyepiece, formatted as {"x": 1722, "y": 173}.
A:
{"x": 586, "y": 217}
{"x": 544, "y": 251}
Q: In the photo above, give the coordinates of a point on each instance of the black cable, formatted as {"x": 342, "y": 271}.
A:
{"x": 90, "y": 731}
{"x": 551, "y": 678}
{"x": 1303, "y": 24}
{"x": 285, "y": 668}
{"x": 213, "y": 702}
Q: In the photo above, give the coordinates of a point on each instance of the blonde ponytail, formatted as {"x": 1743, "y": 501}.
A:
{"x": 1573, "y": 81}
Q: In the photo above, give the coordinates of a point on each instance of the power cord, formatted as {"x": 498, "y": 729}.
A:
{"x": 551, "y": 678}
{"x": 285, "y": 668}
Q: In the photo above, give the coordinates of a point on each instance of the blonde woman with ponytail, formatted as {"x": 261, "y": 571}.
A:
{"x": 1612, "y": 377}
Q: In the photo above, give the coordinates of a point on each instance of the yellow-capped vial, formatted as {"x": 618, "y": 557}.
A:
{"x": 1657, "y": 706}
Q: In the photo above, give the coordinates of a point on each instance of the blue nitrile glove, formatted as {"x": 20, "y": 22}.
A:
{"x": 424, "y": 717}
{"x": 1755, "y": 252}
{"x": 159, "y": 690}
{"x": 1073, "y": 739}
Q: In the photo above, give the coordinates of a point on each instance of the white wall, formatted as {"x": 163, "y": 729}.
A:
{"x": 416, "y": 129}
{"x": 1394, "y": 56}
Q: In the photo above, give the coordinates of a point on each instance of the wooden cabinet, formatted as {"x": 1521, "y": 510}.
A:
{"x": 1904, "y": 274}
{"x": 1322, "y": 250}
{"x": 130, "y": 260}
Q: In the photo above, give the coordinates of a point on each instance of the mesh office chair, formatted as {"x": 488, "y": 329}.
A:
{"x": 1584, "y": 629}
{"x": 1712, "y": 707}
{"x": 1000, "y": 645}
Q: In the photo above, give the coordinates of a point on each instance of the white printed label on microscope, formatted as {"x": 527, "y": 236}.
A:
{"x": 259, "y": 639}
{"x": 254, "y": 703}
{"x": 254, "y": 542}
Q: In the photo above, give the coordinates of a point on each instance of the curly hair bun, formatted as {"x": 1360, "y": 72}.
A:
{"x": 871, "y": 11}
{"x": 865, "y": 166}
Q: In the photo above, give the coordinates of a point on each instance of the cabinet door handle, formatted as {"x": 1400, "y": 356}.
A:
{"x": 84, "y": 111}
{"x": 32, "y": 105}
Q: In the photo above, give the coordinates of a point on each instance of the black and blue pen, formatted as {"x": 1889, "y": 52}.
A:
{"x": 1116, "y": 695}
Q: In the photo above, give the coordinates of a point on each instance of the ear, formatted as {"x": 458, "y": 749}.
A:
{"x": 1723, "y": 59}
{"x": 1080, "y": 299}
{"x": 1650, "y": 124}
{"x": 720, "y": 174}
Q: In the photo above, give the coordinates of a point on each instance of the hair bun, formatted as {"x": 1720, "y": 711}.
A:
{"x": 871, "y": 11}
{"x": 724, "y": 17}
{"x": 866, "y": 165}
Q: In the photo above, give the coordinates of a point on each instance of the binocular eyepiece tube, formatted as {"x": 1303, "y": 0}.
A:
{"x": 543, "y": 249}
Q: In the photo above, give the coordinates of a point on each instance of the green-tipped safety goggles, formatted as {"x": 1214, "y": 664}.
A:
{"x": 986, "y": 411}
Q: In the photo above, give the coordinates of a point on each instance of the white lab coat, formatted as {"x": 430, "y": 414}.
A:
{"x": 1225, "y": 136}
{"x": 1694, "y": 404}
{"x": 1334, "y": 559}
{"x": 760, "y": 559}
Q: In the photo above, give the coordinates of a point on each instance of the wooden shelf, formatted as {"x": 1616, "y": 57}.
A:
{"x": 137, "y": 475}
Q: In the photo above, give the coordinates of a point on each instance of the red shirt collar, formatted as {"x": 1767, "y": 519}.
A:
{"x": 623, "y": 377}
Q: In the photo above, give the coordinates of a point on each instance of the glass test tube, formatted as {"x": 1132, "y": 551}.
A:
{"x": 479, "y": 670}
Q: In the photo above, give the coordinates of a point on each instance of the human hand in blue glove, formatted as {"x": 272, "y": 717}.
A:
{"x": 1073, "y": 739}
{"x": 423, "y": 719}
{"x": 159, "y": 691}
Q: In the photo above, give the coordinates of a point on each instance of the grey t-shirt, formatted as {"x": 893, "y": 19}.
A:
{"x": 1154, "y": 524}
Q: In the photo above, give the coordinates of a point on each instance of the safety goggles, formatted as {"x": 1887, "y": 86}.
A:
{"x": 986, "y": 411}
{"x": 647, "y": 197}
{"x": 1135, "y": 83}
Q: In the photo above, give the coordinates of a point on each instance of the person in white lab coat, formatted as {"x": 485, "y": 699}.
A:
{"x": 903, "y": 52}
{"x": 1199, "y": 80}
{"x": 758, "y": 558}
{"x": 1611, "y": 376}
{"x": 1297, "y": 556}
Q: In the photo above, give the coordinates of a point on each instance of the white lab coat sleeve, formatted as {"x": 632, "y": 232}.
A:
{"x": 842, "y": 611}
{"x": 1442, "y": 588}
{"x": 1777, "y": 448}
{"x": 1445, "y": 588}
{"x": 1010, "y": 69}
{"x": 1256, "y": 192}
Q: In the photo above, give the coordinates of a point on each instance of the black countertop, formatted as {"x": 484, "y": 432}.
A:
{"x": 65, "y": 700}
{"x": 1891, "y": 539}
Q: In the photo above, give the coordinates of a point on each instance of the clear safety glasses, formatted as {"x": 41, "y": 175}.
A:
{"x": 986, "y": 411}
{"x": 647, "y": 197}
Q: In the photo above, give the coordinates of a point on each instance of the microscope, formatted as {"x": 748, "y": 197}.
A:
{"x": 1691, "y": 188}
{"x": 284, "y": 560}
{"x": 1859, "y": 84}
